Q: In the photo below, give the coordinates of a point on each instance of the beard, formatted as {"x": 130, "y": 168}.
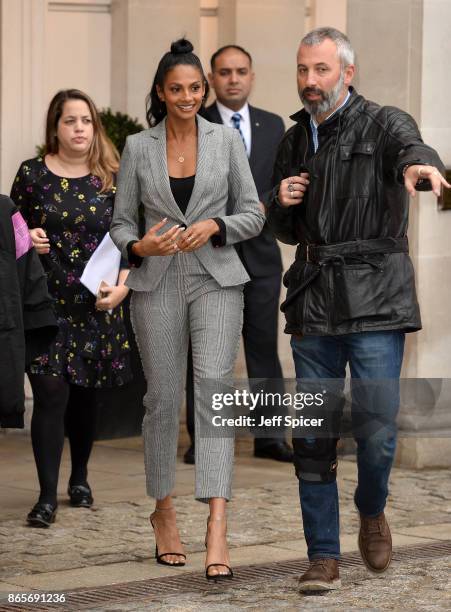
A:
{"x": 328, "y": 99}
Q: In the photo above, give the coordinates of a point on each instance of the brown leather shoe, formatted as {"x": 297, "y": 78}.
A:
{"x": 322, "y": 575}
{"x": 375, "y": 542}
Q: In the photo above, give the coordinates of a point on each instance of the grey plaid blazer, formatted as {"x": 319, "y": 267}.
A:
{"x": 222, "y": 175}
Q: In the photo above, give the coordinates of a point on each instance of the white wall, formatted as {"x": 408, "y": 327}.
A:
{"x": 111, "y": 48}
{"x": 78, "y": 52}
{"x": 328, "y": 13}
{"x": 142, "y": 32}
{"x": 434, "y": 226}
{"x": 271, "y": 31}
{"x": 21, "y": 83}
{"x": 47, "y": 46}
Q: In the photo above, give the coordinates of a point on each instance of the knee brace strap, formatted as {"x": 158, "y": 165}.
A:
{"x": 314, "y": 470}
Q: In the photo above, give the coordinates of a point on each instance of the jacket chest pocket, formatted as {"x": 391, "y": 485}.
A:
{"x": 356, "y": 169}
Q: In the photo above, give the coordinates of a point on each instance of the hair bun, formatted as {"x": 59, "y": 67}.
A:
{"x": 181, "y": 46}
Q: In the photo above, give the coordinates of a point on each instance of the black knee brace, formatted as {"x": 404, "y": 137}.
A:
{"x": 315, "y": 460}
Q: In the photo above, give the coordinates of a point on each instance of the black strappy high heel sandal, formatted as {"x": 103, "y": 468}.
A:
{"x": 159, "y": 557}
{"x": 217, "y": 577}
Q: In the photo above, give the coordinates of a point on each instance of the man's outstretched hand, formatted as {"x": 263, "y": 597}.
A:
{"x": 416, "y": 173}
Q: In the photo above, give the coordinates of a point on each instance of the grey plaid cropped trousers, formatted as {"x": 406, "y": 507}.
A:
{"x": 187, "y": 302}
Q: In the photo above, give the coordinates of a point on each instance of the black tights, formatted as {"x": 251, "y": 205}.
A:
{"x": 58, "y": 404}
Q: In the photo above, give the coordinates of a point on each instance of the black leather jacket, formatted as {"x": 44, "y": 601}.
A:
{"x": 352, "y": 271}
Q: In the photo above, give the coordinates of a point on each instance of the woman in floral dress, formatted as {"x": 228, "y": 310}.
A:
{"x": 67, "y": 199}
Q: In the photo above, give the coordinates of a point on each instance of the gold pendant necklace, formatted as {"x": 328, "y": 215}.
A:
{"x": 179, "y": 156}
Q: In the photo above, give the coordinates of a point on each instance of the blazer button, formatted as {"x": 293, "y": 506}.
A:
{"x": 183, "y": 225}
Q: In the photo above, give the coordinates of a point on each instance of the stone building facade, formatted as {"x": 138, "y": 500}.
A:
{"x": 110, "y": 49}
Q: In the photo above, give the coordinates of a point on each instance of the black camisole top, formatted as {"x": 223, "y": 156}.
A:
{"x": 182, "y": 189}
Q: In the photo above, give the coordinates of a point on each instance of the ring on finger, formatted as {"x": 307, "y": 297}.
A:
{"x": 290, "y": 187}
{"x": 292, "y": 194}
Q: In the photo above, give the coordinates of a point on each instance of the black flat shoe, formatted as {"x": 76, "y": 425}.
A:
{"x": 218, "y": 577}
{"x": 279, "y": 451}
{"x": 41, "y": 515}
{"x": 80, "y": 496}
{"x": 189, "y": 456}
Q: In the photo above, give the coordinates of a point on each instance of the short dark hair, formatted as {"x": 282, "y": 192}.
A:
{"x": 217, "y": 53}
{"x": 181, "y": 53}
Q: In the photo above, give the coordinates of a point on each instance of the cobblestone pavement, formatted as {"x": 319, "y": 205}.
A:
{"x": 405, "y": 586}
{"x": 264, "y": 525}
{"x": 118, "y": 532}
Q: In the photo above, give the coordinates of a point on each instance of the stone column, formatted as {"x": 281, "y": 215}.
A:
{"x": 327, "y": 13}
{"x": 142, "y": 32}
{"x": 22, "y": 100}
{"x": 271, "y": 32}
{"x": 403, "y": 60}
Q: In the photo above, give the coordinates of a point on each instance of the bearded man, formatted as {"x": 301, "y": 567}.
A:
{"x": 343, "y": 176}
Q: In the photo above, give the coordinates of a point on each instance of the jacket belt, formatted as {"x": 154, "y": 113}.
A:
{"x": 355, "y": 250}
{"x": 326, "y": 253}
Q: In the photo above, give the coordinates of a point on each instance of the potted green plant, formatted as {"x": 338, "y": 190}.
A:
{"x": 118, "y": 126}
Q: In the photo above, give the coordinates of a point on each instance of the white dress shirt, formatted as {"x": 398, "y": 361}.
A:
{"x": 245, "y": 122}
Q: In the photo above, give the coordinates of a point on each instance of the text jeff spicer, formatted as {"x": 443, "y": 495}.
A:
{"x": 275, "y": 421}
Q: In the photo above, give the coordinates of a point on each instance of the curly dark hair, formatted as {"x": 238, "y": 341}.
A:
{"x": 181, "y": 53}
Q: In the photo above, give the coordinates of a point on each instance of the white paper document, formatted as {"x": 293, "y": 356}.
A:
{"x": 103, "y": 265}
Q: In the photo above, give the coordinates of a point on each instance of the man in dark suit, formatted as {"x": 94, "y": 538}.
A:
{"x": 232, "y": 77}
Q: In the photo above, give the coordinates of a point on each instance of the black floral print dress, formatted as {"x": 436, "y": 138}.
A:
{"x": 91, "y": 348}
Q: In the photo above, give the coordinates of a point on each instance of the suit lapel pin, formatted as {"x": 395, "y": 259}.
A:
{"x": 257, "y": 124}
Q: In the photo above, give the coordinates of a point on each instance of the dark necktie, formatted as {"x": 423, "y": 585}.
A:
{"x": 236, "y": 120}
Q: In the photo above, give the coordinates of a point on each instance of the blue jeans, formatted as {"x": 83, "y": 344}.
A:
{"x": 373, "y": 356}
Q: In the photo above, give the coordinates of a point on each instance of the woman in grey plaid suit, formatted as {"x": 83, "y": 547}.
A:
{"x": 192, "y": 177}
